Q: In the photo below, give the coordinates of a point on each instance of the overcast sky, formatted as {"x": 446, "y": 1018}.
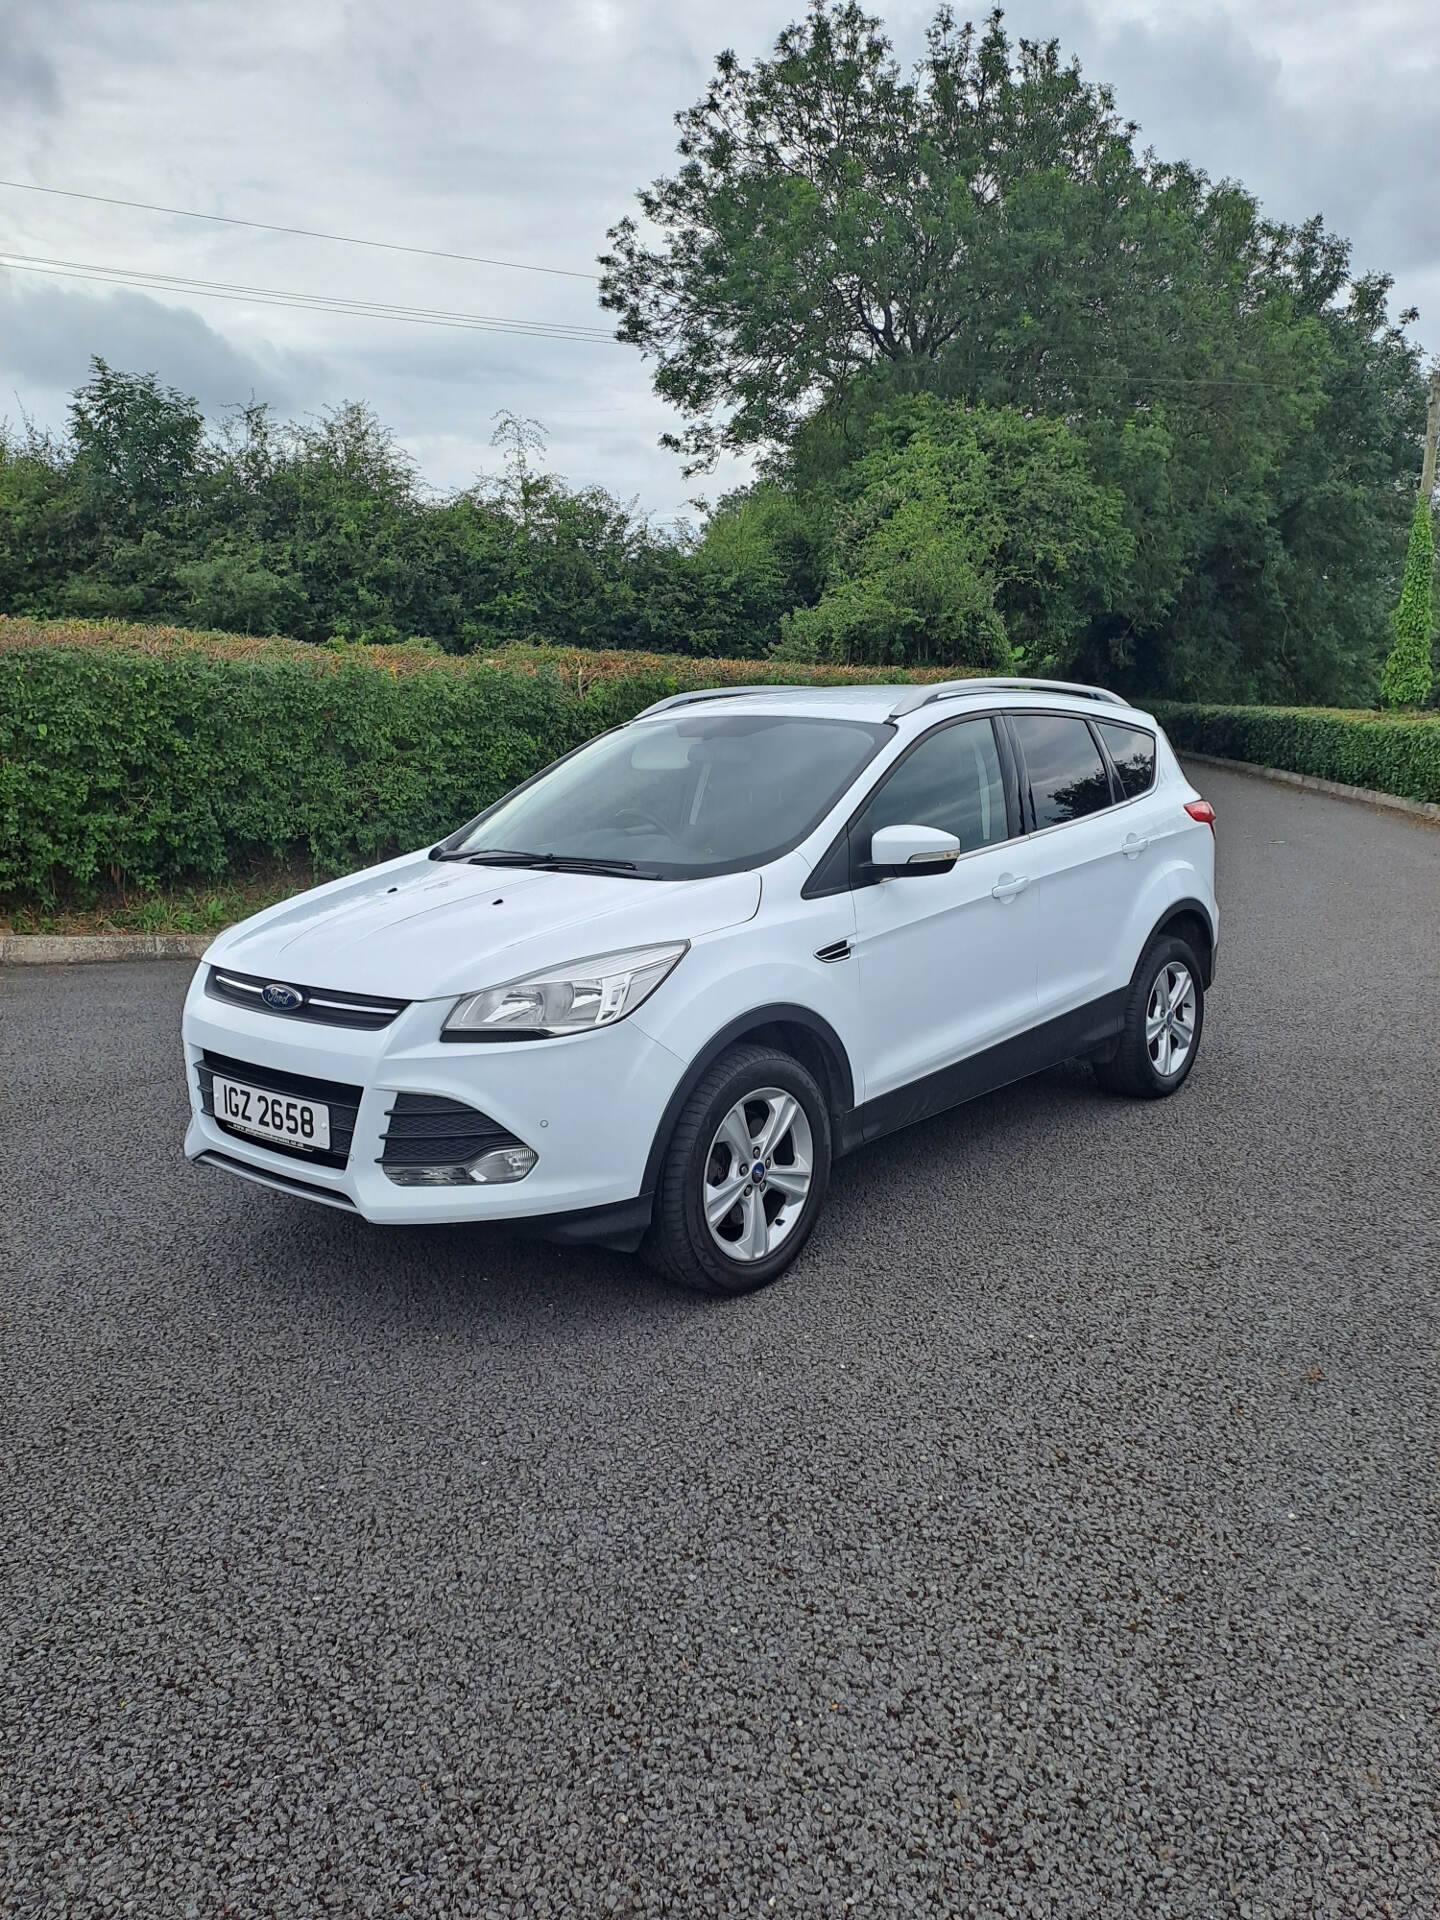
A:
{"x": 519, "y": 129}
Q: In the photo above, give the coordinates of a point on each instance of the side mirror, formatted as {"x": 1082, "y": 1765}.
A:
{"x": 907, "y": 852}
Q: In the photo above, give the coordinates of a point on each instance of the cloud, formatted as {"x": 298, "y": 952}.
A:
{"x": 29, "y": 82}
{"x": 1321, "y": 109}
{"x": 521, "y": 130}
{"x": 50, "y": 332}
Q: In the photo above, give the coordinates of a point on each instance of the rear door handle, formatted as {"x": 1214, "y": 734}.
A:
{"x": 1008, "y": 885}
{"x": 1133, "y": 844}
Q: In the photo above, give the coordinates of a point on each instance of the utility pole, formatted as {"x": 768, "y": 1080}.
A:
{"x": 1432, "y": 434}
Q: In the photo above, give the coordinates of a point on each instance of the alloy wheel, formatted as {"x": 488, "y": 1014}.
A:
{"x": 1170, "y": 1019}
{"x": 758, "y": 1174}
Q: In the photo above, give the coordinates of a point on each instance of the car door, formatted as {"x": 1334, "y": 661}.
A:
{"x": 946, "y": 957}
{"x": 1081, "y": 879}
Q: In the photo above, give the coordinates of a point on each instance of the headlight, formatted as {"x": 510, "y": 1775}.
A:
{"x": 574, "y": 998}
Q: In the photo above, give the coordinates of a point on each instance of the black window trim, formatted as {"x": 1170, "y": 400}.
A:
{"x": 1118, "y": 798}
{"x": 1123, "y": 799}
{"x": 858, "y": 873}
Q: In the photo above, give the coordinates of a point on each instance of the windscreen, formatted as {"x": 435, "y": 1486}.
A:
{"x": 679, "y": 798}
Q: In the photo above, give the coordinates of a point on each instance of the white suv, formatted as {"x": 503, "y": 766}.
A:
{"x": 648, "y": 997}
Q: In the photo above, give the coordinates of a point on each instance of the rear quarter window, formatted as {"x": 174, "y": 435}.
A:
{"x": 1067, "y": 776}
{"x": 1132, "y": 750}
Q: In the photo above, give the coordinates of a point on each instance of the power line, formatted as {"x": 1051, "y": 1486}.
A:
{"x": 325, "y": 299}
{"x": 303, "y": 233}
{"x": 472, "y": 322}
{"x": 311, "y": 302}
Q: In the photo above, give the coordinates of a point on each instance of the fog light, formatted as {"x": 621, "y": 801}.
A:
{"x": 493, "y": 1169}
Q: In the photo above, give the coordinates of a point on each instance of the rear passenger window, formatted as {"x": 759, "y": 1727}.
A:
{"x": 1068, "y": 778}
{"x": 952, "y": 781}
{"x": 1133, "y": 752}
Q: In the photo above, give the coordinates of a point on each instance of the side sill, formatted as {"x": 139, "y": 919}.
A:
{"x": 1078, "y": 1032}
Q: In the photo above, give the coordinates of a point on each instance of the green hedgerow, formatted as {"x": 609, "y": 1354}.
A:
{"x": 1386, "y": 753}
{"x": 145, "y": 758}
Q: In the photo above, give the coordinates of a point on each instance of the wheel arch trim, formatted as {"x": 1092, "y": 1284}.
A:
{"x": 780, "y": 1013}
{"x": 1187, "y": 908}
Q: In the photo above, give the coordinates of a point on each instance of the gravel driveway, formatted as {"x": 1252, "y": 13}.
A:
{"x": 1058, "y": 1539}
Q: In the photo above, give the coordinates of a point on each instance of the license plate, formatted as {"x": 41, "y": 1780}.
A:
{"x": 272, "y": 1116}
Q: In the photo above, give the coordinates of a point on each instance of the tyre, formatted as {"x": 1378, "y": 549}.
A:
{"x": 744, "y": 1175}
{"x": 1164, "y": 1018}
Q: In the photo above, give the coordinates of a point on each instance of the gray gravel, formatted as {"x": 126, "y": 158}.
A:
{"x": 1059, "y": 1539}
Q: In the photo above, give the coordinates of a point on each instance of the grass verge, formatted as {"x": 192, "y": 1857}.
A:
{"x": 180, "y": 909}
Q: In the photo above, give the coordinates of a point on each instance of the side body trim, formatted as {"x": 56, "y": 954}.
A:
{"x": 1044, "y": 1046}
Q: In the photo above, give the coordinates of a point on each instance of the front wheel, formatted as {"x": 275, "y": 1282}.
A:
{"x": 1164, "y": 1018}
{"x": 744, "y": 1176}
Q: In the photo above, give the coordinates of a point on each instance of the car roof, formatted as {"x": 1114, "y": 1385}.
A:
{"x": 921, "y": 703}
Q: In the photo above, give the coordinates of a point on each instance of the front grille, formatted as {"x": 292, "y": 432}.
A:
{"x": 343, "y": 1102}
{"x": 327, "y": 1006}
{"x": 427, "y": 1130}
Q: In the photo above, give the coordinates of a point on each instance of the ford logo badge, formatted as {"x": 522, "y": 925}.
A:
{"x": 280, "y": 996}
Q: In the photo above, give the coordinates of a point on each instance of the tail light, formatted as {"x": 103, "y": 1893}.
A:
{"x": 1202, "y": 811}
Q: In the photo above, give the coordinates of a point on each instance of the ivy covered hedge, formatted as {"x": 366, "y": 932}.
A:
{"x": 141, "y": 756}
{"x": 1387, "y": 753}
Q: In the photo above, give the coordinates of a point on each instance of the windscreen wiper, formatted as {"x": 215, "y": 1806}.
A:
{"x": 555, "y": 862}
{"x": 495, "y": 857}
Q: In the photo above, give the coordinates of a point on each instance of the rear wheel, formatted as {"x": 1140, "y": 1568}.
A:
{"x": 744, "y": 1176}
{"x": 1164, "y": 1018}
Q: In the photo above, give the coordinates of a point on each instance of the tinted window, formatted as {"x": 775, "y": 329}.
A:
{"x": 1067, "y": 776}
{"x": 682, "y": 797}
{"x": 1133, "y": 751}
{"x": 951, "y": 781}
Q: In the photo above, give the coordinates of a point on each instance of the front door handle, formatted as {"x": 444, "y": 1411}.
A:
{"x": 1008, "y": 885}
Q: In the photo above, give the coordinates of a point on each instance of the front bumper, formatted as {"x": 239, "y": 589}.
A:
{"x": 589, "y": 1105}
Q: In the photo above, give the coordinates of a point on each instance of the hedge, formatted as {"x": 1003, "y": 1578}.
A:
{"x": 145, "y": 756}
{"x": 1387, "y": 753}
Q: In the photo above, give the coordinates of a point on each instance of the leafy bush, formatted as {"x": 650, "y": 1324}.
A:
{"x": 148, "y": 756}
{"x": 968, "y": 534}
{"x": 1399, "y": 754}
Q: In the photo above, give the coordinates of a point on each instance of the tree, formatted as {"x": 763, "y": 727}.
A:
{"x": 966, "y": 537}
{"x": 1407, "y": 677}
{"x": 137, "y": 443}
{"x": 839, "y": 234}
{"x": 987, "y": 215}
{"x": 762, "y": 553}
{"x": 37, "y": 531}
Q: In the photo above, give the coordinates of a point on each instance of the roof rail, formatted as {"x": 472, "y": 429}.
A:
{"x": 957, "y": 690}
{"x": 710, "y": 693}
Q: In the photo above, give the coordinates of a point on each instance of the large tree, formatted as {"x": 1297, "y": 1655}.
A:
{"x": 833, "y": 215}
{"x": 840, "y": 233}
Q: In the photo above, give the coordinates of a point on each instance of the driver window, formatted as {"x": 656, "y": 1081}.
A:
{"x": 952, "y": 780}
